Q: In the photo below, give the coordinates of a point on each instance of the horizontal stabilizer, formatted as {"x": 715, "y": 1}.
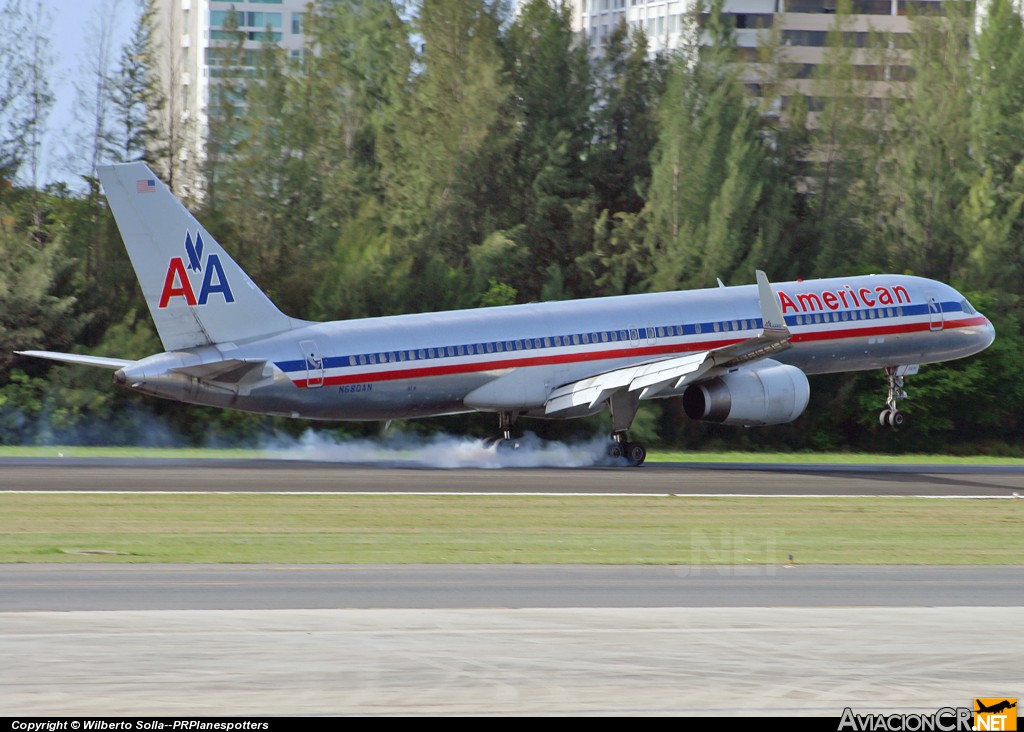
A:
{"x": 229, "y": 371}
{"x": 76, "y": 358}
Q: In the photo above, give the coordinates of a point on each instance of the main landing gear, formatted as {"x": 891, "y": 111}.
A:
{"x": 891, "y": 416}
{"x": 623, "y": 407}
{"x": 634, "y": 452}
{"x": 505, "y": 442}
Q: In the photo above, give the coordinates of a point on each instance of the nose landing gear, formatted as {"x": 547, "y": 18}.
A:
{"x": 891, "y": 416}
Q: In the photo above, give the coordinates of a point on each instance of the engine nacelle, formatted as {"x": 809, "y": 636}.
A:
{"x": 767, "y": 393}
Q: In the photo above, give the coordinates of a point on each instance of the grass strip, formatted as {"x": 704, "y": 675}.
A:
{"x": 499, "y": 529}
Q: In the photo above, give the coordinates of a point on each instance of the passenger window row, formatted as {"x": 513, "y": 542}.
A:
{"x": 631, "y": 335}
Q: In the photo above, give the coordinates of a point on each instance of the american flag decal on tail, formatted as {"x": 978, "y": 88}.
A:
{"x": 146, "y": 185}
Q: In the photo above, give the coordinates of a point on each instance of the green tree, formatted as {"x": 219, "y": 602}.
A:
{"x": 994, "y": 214}
{"x": 449, "y": 133}
{"x": 38, "y": 97}
{"x": 457, "y": 98}
{"x": 93, "y": 137}
{"x": 551, "y": 203}
{"x": 927, "y": 175}
{"x": 134, "y": 98}
{"x": 709, "y": 169}
{"x": 14, "y": 112}
{"x": 345, "y": 100}
{"x": 230, "y": 73}
{"x": 34, "y": 312}
{"x": 629, "y": 84}
{"x": 840, "y": 151}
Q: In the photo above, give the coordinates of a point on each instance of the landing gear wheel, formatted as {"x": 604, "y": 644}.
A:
{"x": 636, "y": 453}
{"x": 615, "y": 451}
{"x": 505, "y": 442}
{"x": 891, "y": 416}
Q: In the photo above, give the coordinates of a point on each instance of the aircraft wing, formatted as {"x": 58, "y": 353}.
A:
{"x": 653, "y": 378}
{"x": 76, "y": 358}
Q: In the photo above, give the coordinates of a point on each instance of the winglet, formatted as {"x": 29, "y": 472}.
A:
{"x": 771, "y": 312}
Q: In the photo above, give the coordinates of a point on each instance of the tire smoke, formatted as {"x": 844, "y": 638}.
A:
{"x": 442, "y": 451}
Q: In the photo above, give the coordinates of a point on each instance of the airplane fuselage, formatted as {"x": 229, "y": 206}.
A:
{"x": 734, "y": 355}
{"x": 511, "y": 358}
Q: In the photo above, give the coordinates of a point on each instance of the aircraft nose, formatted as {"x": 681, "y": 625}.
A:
{"x": 986, "y": 334}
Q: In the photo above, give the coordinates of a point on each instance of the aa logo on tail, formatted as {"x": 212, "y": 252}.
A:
{"x": 178, "y": 284}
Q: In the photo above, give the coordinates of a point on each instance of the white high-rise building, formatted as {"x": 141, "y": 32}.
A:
{"x": 188, "y": 35}
{"x": 803, "y": 27}
{"x": 662, "y": 20}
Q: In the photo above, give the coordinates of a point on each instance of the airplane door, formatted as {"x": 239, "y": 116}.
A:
{"x": 314, "y": 364}
{"x": 935, "y": 316}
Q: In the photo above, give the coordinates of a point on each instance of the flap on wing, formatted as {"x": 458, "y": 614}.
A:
{"x": 228, "y": 371}
{"x": 79, "y": 359}
{"x": 652, "y": 378}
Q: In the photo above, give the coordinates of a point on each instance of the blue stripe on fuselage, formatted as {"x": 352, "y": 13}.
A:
{"x": 621, "y": 336}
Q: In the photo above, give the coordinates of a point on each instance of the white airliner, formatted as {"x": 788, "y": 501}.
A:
{"x": 736, "y": 355}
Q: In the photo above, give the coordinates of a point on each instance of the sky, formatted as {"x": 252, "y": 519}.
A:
{"x": 71, "y": 23}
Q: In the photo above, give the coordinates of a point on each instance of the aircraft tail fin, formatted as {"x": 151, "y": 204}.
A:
{"x": 196, "y": 292}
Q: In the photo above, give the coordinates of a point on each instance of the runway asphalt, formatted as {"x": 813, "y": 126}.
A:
{"x": 21, "y": 474}
{"x": 81, "y": 587}
{"x": 191, "y": 640}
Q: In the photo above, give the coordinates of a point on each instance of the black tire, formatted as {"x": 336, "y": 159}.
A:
{"x": 636, "y": 453}
{"x": 897, "y": 418}
{"x": 883, "y": 417}
{"x": 615, "y": 451}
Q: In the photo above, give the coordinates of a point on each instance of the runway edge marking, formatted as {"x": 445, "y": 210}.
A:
{"x": 501, "y": 493}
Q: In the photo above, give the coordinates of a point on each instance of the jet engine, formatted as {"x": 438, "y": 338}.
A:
{"x": 766, "y": 393}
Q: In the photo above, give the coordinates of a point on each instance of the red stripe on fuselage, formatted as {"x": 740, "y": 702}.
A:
{"x": 511, "y": 363}
{"x": 822, "y": 335}
{"x": 677, "y": 349}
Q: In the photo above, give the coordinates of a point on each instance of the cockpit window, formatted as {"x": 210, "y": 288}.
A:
{"x": 966, "y": 307}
